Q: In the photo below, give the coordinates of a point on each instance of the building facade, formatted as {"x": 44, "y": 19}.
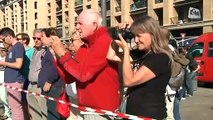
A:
{"x": 189, "y": 17}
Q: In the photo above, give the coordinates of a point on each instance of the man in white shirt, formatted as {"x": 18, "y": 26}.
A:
{"x": 3, "y": 92}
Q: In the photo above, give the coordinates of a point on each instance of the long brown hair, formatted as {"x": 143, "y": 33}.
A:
{"x": 147, "y": 24}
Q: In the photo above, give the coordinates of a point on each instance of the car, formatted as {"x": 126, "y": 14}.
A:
{"x": 202, "y": 51}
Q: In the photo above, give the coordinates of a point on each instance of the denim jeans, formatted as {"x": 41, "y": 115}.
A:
{"x": 190, "y": 77}
{"x": 176, "y": 109}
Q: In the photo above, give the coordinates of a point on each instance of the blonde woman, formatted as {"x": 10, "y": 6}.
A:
{"x": 146, "y": 85}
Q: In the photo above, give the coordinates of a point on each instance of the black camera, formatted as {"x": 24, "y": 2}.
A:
{"x": 126, "y": 33}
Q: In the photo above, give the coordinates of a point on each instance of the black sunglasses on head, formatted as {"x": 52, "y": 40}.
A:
{"x": 19, "y": 38}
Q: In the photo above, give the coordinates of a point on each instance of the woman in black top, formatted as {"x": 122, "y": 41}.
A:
{"x": 146, "y": 85}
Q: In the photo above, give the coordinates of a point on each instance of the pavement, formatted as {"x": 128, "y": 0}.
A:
{"x": 199, "y": 106}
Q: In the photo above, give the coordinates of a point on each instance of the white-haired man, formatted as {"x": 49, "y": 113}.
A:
{"x": 96, "y": 78}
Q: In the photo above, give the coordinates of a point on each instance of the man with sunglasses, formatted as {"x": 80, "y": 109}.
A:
{"x": 12, "y": 75}
{"x": 37, "y": 105}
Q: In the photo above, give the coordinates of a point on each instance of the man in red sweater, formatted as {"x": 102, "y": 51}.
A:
{"x": 96, "y": 78}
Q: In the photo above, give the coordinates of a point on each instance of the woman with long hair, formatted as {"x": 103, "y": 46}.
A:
{"x": 146, "y": 85}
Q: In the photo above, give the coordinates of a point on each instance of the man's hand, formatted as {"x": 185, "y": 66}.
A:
{"x": 47, "y": 87}
{"x": 58, "y": 46}
{"x": 2, "y": 63}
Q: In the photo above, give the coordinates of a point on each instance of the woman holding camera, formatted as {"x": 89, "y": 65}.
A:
{"x": 146, "y": 85}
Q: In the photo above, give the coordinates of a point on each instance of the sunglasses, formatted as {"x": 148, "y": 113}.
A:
{"x": 72, "y": 40}
{"x": 36, "y": 38}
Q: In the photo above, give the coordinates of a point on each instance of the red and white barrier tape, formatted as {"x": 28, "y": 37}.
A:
{"x": 100, "y": 111}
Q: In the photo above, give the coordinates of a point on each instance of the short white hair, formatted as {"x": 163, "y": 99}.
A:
{"x": 94, "y": 16}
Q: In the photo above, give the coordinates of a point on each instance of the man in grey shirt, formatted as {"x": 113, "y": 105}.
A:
{"x": 37, "y": 105}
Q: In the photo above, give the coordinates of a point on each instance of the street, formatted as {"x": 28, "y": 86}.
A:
{"x": 200, "y": 106}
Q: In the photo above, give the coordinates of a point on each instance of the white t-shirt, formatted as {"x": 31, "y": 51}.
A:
{"x": 1, "y": 76}
{"x": 2, "y": 70}
{"x": 71, "y": 90}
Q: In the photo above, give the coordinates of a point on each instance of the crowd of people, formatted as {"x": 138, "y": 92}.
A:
{"x": 87, "y": 69}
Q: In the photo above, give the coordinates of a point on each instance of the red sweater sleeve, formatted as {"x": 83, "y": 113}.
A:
{"x": 64, "y": 74}
{"x": 91, "y": 60}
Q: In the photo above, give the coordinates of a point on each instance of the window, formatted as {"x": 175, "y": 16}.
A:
{"x": 26, "y": 25}
{"x": 88, "y": 6}
{"x": 197, "y": 49}
{"x": 210, "y": 51}
{"x": 36, "y": 25}
{"x": 108, "y": 21}
{"x": 35, "y": 5}
{"x": 36, "y": 15}
{"x": 108, "y": 5}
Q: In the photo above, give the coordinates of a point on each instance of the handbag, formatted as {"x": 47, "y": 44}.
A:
{"x": 64, "y": 109}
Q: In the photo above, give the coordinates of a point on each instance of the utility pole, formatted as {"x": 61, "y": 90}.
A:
{"x": 103, "y": 11}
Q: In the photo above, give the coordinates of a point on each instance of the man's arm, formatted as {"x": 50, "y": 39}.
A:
{"x": 94, "y": 61}
{"x": 65, "y": 76}
{"x": 19, "y": 54}
{"x": 17, "y": 64}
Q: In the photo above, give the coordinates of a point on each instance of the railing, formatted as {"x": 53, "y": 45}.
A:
{"x": 176, "y": 20}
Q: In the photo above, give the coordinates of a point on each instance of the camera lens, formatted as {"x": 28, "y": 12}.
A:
{"x": 127, "y": 34}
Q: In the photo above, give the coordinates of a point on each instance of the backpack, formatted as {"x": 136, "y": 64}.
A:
{"x": 176, "y": 81}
